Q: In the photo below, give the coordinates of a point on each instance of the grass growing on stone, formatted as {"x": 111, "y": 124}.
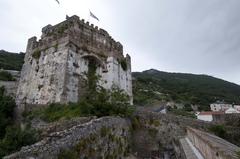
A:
{"x": 154, "y": 122}
{"x": 55, "y": 112}
{"x": 238, "y": 154}
{"x": 36, "y": 54}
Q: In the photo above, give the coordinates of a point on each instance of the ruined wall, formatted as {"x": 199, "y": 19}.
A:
{"x": 168, "y": 129}
{"x": 11, "y": 86}
{"x": 100, "y": 138}
{"x": 157, "y": 136}
{"x": 56, "y": 65}
{"x": 211, "y": 146}
{"x": 227, "y": 119}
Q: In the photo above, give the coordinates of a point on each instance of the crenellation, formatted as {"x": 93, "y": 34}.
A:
{"x": 57, "y": 63}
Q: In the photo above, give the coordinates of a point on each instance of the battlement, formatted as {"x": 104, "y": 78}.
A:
{"x": 81, "y": 34}
{"x": 56, "y": 65}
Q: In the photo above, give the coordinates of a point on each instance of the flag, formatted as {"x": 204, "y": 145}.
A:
{"x": 58, "y": 1}
{"x": 93, "y": 16}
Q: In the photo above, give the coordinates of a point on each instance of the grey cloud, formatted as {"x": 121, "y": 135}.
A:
{"x": 196, "y": 36}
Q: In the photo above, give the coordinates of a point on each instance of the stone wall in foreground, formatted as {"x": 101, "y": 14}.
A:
{"x": 211, "y": 146}
{"x": 105, "y": 137}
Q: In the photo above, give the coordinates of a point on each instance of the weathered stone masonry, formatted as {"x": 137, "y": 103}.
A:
{"x": 106, "y": 137}
{"x": 56, "y": 65}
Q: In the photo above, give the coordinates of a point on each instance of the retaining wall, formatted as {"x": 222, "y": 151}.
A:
{"x": 100, "y": 138}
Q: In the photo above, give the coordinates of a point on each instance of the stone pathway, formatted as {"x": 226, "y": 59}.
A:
{"x": 190, "y": 151}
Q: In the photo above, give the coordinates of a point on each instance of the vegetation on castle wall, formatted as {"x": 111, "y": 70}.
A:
{"x": 96, "y": 102}
{"x": 104, "y": 103}
{"x": 92, "y": 78}
{"x": 61, "y": 29}
{"x": 36, "y": 54}
{"x": 136, "y": 124}
{"x": 6, "y": 76}
{"x": 93, "y": 147}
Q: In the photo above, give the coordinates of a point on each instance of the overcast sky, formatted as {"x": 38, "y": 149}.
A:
{"x": 192, "y": 36}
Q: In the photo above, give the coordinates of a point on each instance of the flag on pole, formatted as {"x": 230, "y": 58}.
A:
{"x": 93, "y": 16}
{"x": 58, "y": 1}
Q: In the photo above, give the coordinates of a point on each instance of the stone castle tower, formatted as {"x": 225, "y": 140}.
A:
{"x": 56, "y": 65}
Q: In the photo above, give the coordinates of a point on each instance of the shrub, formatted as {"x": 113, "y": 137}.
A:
{"x": 7, "y": 105}
{"x": 6, "y": 76}
{"x": 101, "y": 103}
{"x": 15, "y": 138}
{"x": 218, "y": 130}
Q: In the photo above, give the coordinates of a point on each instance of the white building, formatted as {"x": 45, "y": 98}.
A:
{"x": 207, "y": 116}
{"x": 232, "y": 111}
{"x": 220, "y": 106}
{"x": 237, "y": 107}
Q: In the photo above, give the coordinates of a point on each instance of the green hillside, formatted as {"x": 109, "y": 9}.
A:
{"x": 11, "y": 61}
{"x": 152, "y": 86}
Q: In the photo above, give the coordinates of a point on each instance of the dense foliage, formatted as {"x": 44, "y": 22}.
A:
{"x": 12, "y": 137}
{"x": 219, "y": 130}
{"x": 6, "y": 76}
{"x": 7, "y": 105}
{"x": 15, "y": 138}
{"x": 153, "y": 85}
{"x": 11, "y": 61}
{"x": 102, "y": 103}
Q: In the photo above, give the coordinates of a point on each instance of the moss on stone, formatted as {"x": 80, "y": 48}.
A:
{"x": 104, "y": 131}
{"x": 238, "y": 154}
{"x": 36, "y": 54}
{"x": 152, "y": 132}
{"x": 154, "y": 122}
{"x": 56, "y": 46}
{"x": 135, "y": 123}
{"x": 69, "y": 154}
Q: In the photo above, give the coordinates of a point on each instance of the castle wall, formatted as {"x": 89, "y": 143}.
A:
{"x": 106, "y": 137}
{"x": 211, "y": 146}
{"x": 42, "y": 79}
{"x": 56, "y": 65}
